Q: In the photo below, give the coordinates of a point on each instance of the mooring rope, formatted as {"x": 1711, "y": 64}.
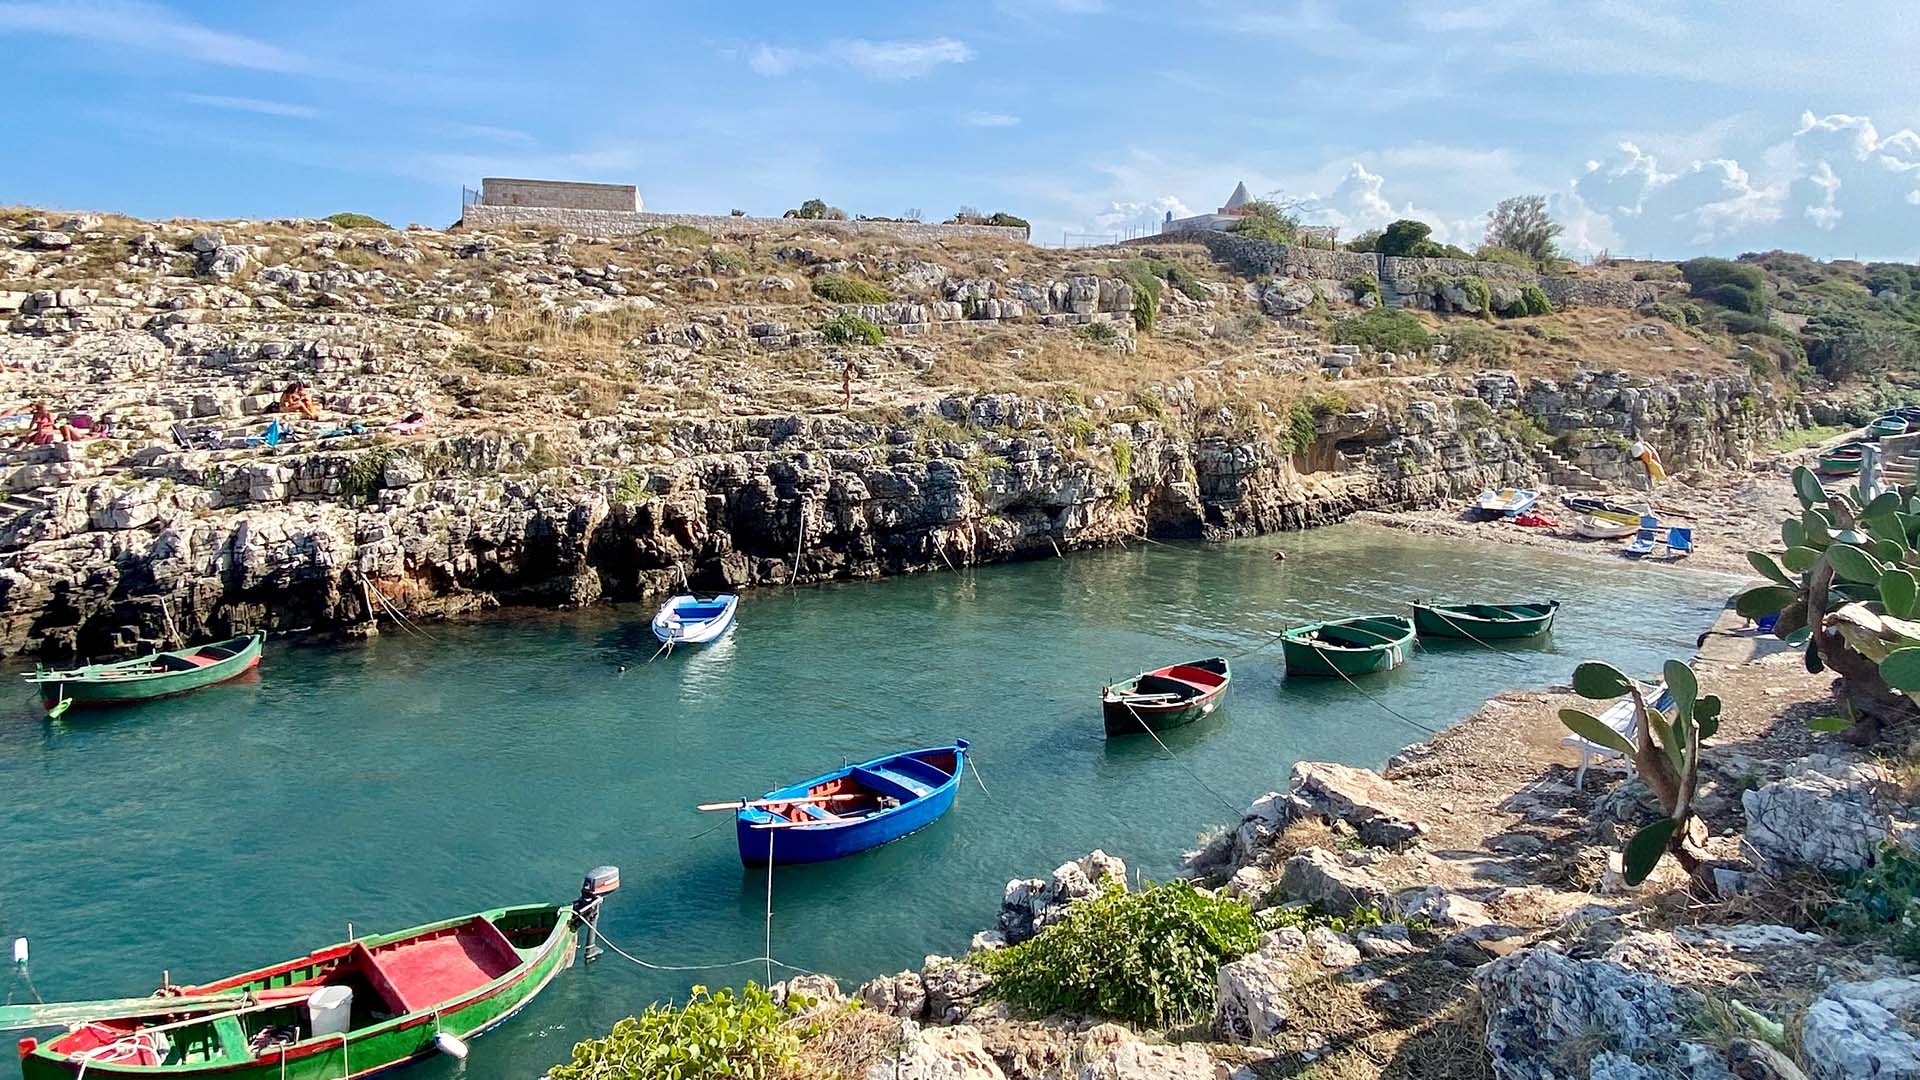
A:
{"x": 624, "y": 954}
{"x": 1390, "y": 709}
{"x": 1469, "y": 634}
{"x": 1198, "y": 779}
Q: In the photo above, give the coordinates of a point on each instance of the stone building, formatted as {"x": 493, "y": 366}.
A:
{"x": 1220, "y": 220}
{"x": 559, "y": 194}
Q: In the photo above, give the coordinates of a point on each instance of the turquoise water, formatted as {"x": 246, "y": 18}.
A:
{"x": 407, "y": 779}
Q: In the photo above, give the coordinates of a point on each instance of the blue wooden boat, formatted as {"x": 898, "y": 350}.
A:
{"x": 851, "y": 809}
{"x": 689, "y": 620}
{"x": 1504, "y": 502}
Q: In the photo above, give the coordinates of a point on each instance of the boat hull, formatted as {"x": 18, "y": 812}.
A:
{"x": 1506, "y": 502}
{"x": 1123, "y": 717}
{"x": 717, "y": 618}
{"x": 89, "y": 691}
{"x": 1305, "y": 656}
{"x": 829, "y": 840}
{"x": 1484, "y": 622}
{"x": 368, "y": 1050}
{"x": 1598, "y": 528}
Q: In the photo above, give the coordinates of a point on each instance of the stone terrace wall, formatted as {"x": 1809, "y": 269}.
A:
{"x": 620, "y": 223}
{"x": 1399, "y": 277}
{"x": 1255, "y": 258}
{"x": 504, "y": 191}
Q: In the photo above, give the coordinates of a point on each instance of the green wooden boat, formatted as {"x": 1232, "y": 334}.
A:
{"x": 1484, "y": 622}
{"x": 1842, "y": 460}
{"x": 1356, "y": 646}
{"x": 1165, "y": 697}
{"x": 1886, "y": 426}
{"x": 345, "y": 1011}
{"x": 151, "y": 676}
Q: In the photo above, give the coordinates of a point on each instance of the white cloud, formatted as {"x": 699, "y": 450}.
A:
{"x": 771, "y": 60}
{"x": 900, "y": 59}
{"x": 988, "y": 119}
{"x": 1835, "y": 185}
{"x": 1136, "y": 216}
{"x": 889, "y": 60}
{"x": 151, "y": 28}
{"x": 252, "y": 105}
{"x": 512, "y": 136}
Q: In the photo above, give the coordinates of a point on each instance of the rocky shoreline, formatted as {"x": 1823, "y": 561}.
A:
{"x": 1492, "y": 934}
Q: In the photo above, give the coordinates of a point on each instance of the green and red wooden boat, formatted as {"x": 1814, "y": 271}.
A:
{"x": 151, "y": 676}
{"x": 1842, "y": 460}
{"x": 1484, "y": 622}
{"x": 1164, "y": 697}
{"x": 1357, "y": 646}
{"x": 344, "y": 1011}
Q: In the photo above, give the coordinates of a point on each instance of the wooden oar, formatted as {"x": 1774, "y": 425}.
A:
{"x": 71, "y": 1013}
{"x": 756, "y": 804}
{"x": 801, "y": 824}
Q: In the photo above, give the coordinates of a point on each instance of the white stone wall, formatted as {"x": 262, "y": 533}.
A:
{"x": 567, "y": 194}
{"x": 618, "y": 223}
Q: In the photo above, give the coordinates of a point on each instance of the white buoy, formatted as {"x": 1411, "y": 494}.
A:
{"x": 20, "y": 950}
{"x": 450, "y": 1045}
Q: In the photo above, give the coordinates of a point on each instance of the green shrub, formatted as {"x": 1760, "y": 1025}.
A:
{"x": 837, "y": 289}
{"x": 1264, "y": 219}
{"x": 1099, "y": 333}
{"x": 350, "y": 220}
{"x": 1001, "y": 217}
{"x": 1739, "y": 322}
{"x": 1150, "y": 403}
{"x": 1883, "y": 900}
{"x": 1385, "y": 330}
{"x": 817, "y": 210}
{"x": 1363, "y": 285}
{"x": 1366, "y": 242}
{"x": 711, "y": 1036}
{"x": 1146, "y": 284}
{"x": 1534, "y": 300}
{"x": 1314, "y": 917}
{"x": 1481, "y": 345}
{"x": 1491, "y": 253}
{"x": 1733, "y": 298}
{"x": 1405, "y": 238}
{"x": 1122, "y": 458}
{"x": 1685, "y": 313}
{"x": 1479, "y": 296}
{"x": 1182, "y": 278}
{"x": 1302, "y": 427}
{"x": 1707, "y": 272}
{"x": 364, "y": 473}
{"x": 1150, "y": 957}
{"x": 851, "y": 330}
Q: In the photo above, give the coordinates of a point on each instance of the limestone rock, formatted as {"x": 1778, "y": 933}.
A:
{"x": 1332, "y": 948}
{"x": 50, "y": 241}
{"x": 902, "y": 995}
{"x": 1252, "y": 1006}
{"x": 953, "y": 988}
{"x": 821, "y": 990}
{"x": 1286, "y": 297}
{"x": 207, "y": 240}
{"x": 1538, "y": 1002}
{"x": 1359, "y": 797}
{"x": 1028, "y": 905}
{"x": 1864, "y": 1029}
{"x": 938, "y": 1053}
{"x": 1826, "y": 814}
{"x": 1317, "y": 876}
{"x": 1136, "y": 1060}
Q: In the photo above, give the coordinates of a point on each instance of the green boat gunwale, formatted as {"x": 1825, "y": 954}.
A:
{"x": 1320, "y": 656}
{"x": 275, "y": 976}
{"x": 1459, "y": 620}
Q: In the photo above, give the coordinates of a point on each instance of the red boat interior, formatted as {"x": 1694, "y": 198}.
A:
{"x": 1175, "y": 686}
{"x": 398, "y": 977}
{"x": 866, "y": 789}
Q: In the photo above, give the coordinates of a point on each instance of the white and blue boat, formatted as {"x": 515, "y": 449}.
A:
{"x": 689, "y": 620}
{"x": 851, "y": 809}
{"x": 1504, "y": 502}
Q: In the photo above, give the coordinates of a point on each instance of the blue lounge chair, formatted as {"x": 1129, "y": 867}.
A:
{"x": 1679, "y": 542}
{"x": 1646, "y": 540}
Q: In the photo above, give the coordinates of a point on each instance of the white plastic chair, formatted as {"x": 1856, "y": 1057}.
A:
{"x": 1620, "y": 717}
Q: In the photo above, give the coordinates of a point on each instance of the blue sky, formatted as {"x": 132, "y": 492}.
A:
{"x": 1660, "y": 127}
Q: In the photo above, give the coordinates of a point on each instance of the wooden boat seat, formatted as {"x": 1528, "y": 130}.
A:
{"x": 425, "y": 971}
{"x": 892, "y": 781}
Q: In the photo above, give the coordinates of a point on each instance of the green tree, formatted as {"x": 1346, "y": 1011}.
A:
{"x": 1521, "y": 224}
{"x": 1267, "y": 219}
{"x": 817, "y": 210}
{"x": 1405, "y": 237}
{"x": 1366, "y": 242}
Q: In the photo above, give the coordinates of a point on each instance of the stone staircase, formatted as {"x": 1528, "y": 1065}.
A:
{"x": 1901, "y": 464}
{"x": 1561, "y": 472}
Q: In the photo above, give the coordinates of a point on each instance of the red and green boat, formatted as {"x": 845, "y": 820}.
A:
{"x": 344, "y": 1011}
{"x": 152, "y": 676}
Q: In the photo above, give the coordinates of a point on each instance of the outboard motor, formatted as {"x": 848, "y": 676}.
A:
{"x": 600, "y": 881}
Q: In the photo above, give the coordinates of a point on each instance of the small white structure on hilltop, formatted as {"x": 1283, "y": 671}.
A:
{"x": 1220, "y": 220}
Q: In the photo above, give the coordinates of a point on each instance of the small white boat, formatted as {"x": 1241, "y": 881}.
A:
{"x": 1504, "y": 502}
{"x": 689, "y": 620}
{"x": 1599, "y": 528}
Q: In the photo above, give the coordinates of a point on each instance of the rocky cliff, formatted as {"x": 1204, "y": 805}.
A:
{"x": 597, "y": 418}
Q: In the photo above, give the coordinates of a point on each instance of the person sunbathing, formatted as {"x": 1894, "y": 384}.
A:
{"x": 296, "y": 400}
{"x": 43, "y": 429}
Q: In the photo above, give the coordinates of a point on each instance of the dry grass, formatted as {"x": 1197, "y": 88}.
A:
{"x": 1428, "y": 1027}
{"x": 852, "y": 1043}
